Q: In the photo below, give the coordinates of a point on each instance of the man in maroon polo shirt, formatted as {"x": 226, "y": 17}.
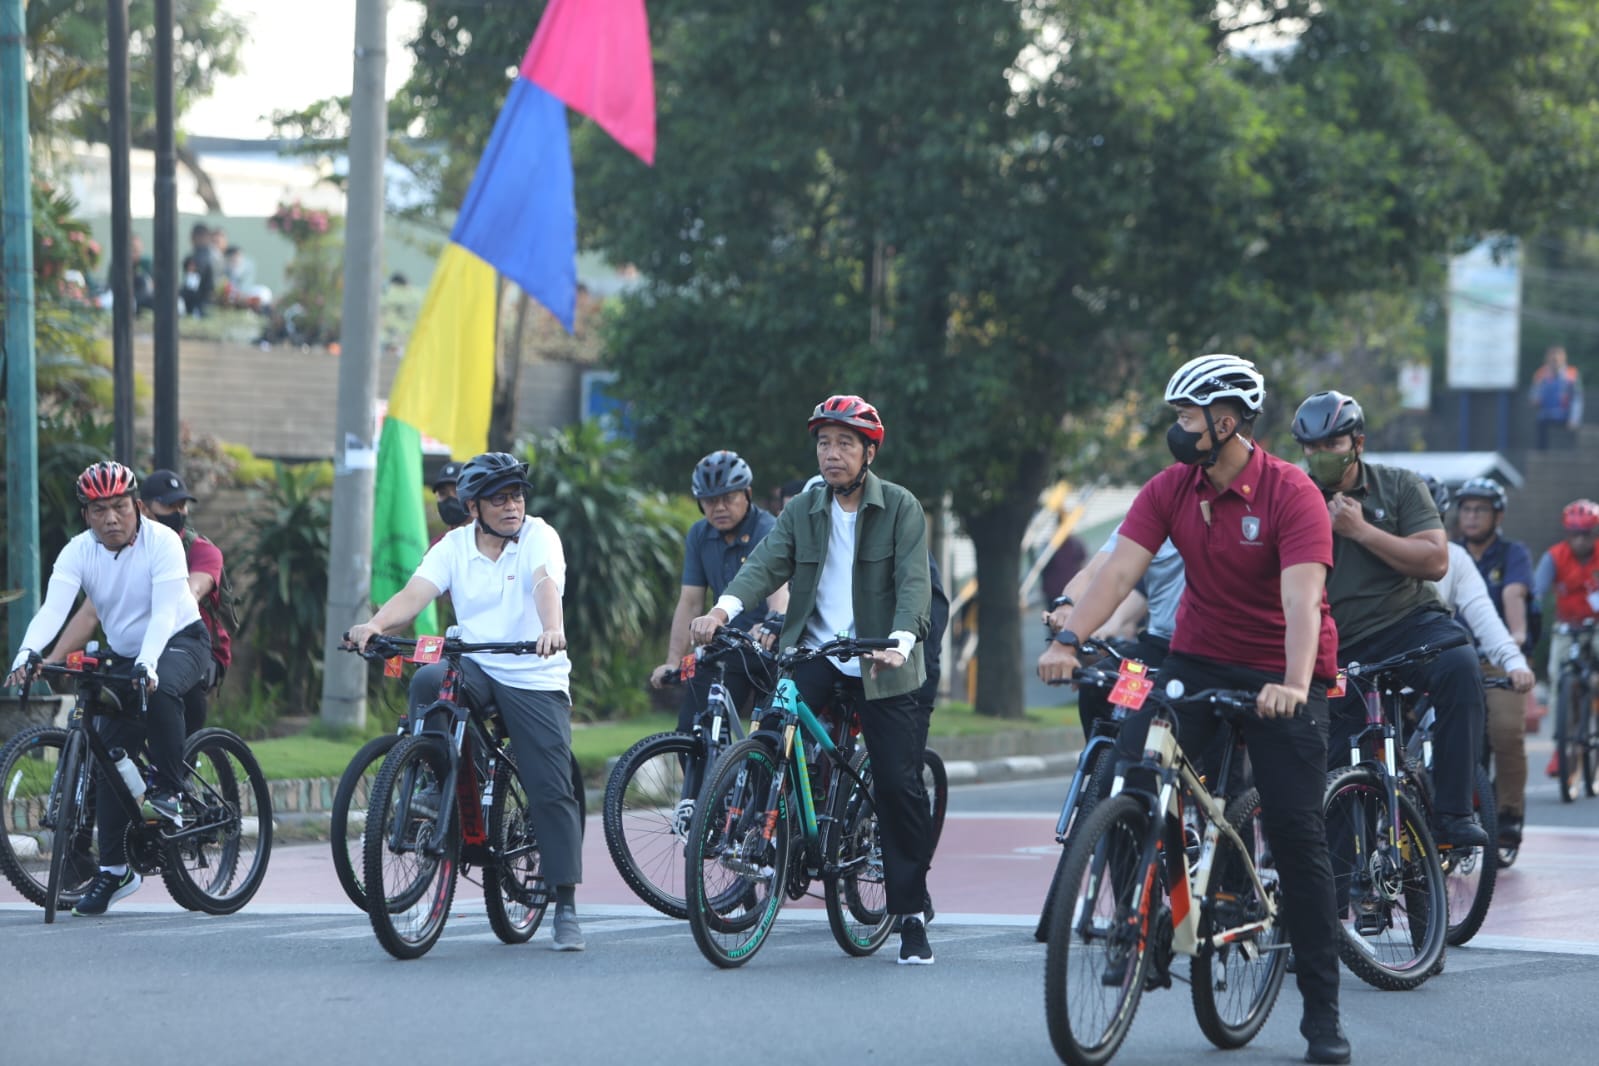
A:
{"x": 1256, "y": 544}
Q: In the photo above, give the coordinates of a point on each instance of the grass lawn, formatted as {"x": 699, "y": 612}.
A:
{"x": 308, "y": 754}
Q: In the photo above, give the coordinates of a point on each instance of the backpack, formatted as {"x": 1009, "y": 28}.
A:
{"x": 224, "y": 605}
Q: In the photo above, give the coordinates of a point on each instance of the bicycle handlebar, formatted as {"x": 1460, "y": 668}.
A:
{"x": 726, "y": 642}
{"x": 844, "y": 648}
{"x": 1413, "y": 657}
{"x": 382, "y": 647}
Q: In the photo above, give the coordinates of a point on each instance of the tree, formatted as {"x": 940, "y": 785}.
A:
{"x": 989, "y": 215}
{"x": 68, "y": 84}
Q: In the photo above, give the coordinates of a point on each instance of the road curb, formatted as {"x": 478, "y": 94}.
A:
{"x": 1009, "y": 768}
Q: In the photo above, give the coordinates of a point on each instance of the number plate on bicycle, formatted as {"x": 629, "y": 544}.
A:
{"x": 392, "y": 667}
{"x": 685, "y": 669}
{"x": 78, "y": 661}
{"x": 1132, "y": 685}
{"x": 428, "y": 650}
{"x": 1336, "y": 689}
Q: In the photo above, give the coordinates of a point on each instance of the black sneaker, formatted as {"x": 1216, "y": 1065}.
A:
{"x": 928, "y": 914}
{"x": 1460, "y": 831}
{"x": 106, "y": 890}
{"x": 168, "y": 805}
{"x": 914, "y": 950}
{"x": 1325, "y": 1042}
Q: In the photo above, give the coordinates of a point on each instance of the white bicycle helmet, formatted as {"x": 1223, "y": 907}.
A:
{"x": 1209, "y": 378}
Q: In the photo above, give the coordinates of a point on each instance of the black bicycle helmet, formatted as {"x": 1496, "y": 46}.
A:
{"x": 719, "y": 474}
{"x": 1483, "y": 488}
{"x": 449, "y": 474}
{"x": 1440, "y": 493}
{"x": 483, "y": 475}
{"x": 1326, "y": 415}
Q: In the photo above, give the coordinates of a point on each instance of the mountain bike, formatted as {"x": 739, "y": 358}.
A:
{"x": 650, "y": 797}
{"x": 212, "y": 860}
{"x": 448, "y": 798}
{"x": 353, "y": 798}
{"x": 1096, "y": 766}
{"x": 1576, "y": 734}
{"x": 1140, "y": 893}
{"x": 788, "y": 805}
{"x": 1470, "y": 874}
{"x": 1388, "y": 874}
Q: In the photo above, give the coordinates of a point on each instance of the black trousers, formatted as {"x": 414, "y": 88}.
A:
{"x": 1289, "y": 757}
{"x": 895, "y": 730}
{"x": 182, "y": 668}
{"x": 1455, "y": 682}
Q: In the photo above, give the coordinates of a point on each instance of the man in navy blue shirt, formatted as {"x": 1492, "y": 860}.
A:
{"x": 715, "y": 548}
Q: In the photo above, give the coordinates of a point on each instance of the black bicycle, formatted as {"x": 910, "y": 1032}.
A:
{"x": 1576, "y": 733}
{"x": 212, "y": 860}
{"x": 1388, "y": 873}
{"x": 650, "y": 796}
{"x": 1096, "y": 766}
{"x": 448, "y": 798}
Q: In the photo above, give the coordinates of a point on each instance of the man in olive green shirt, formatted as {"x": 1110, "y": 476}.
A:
{"x": 854, "y": 553}
{"x": 1388, "y": 546}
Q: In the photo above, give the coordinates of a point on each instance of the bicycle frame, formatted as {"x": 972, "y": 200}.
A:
{"x": 799, "y": 718}
{"x": 466, "y": 737}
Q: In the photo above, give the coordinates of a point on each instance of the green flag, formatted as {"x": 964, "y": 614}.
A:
{"x": 399, "y": 517}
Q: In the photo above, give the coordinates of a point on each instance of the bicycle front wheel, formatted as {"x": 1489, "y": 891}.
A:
{"x": 1393, "y": 910}
{"x": 1235, "y": 984}
{"x": 29, "y": 818}
{"x": 217, "y": 859}
{"x": 1573, "y": 726}
{"x": 856, "y": 893}
{"x": 1099, "y": 934}
{"x": 1095, "y": 778}
{"x": 68, "y": 799}
{"x": 348, "y": 818}
{"x": 738, "y": 853}
{"x": 409, "y": 854}
{"x": 649, "y": 805}
{"x": 514, "y": 892}
{"x": 1470, "y": 874}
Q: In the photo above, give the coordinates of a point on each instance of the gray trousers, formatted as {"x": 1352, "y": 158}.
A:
{"x": 540, "y": 725}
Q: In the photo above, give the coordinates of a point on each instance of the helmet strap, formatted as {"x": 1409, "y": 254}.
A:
{"x": 860, "y": 479}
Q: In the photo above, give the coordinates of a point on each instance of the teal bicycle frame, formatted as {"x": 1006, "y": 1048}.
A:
{"x": 797, "y": 716}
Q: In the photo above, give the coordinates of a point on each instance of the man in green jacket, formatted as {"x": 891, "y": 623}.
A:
{"x": 854, "y": 553}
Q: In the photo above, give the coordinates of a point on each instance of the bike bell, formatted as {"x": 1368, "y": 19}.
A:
{"x": 1175, "y": 689}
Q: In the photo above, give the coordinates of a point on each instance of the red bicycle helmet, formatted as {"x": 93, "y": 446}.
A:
{"x": 105, "y": 481}
{"x": 851, "y": 411}
{"x": 1580, "y": 516}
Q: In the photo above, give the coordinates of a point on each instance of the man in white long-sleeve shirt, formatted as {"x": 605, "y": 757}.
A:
{"x": 136, "y": 575}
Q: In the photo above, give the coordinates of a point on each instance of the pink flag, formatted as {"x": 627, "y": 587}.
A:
{"x": 595, "y": 56}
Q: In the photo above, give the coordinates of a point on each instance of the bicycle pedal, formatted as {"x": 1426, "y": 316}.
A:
{"x": 1370, "y": 924}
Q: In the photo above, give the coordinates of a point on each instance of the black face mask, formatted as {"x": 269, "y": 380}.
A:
{"x": 1184, "y": 444}
{"x": 452, "y": 512}
{"x": 174, "y": 521}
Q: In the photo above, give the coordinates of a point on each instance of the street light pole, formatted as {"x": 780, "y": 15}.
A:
{"x": 121, "y": 273}
{"x": 165, "y": 248}
{"x": 355, "y": 454}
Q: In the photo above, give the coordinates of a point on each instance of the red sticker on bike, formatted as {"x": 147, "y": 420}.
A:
{"x": 392, "y": 667}
{"x": 1132, "y": 685}
{"x": 1336, "y": 689}
{"x": 685, "y": 669}
{"x": 428, "y": 650}
{"x": 75, "y": 660}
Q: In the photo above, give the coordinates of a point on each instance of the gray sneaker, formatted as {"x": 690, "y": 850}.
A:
{"x": 568, "y": 934}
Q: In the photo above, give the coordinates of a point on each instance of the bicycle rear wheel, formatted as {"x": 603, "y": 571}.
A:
{"x": 409, "y": 855}
{"x": 857, "y": 895}
{"x": 1573, "y": 729}
{"x": 1096, "y": 778}
{"x": 68, "y": 795}
{"x": 649, "y": 805}
{"x": 216, "y": 861}
{"x": 738, "y": 853}
{"x": 1470, "y": 874}
{"x": 1099, "y": 934}
{"x": 1392, "y": 903}
{"x": 348, "y": 817}
{"x": 29, "y": 763}
{"x": 514, "y": 892}
{"x": 1235, "y": 985}
{"x": 935, "y": 779}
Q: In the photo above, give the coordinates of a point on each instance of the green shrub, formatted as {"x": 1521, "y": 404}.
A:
{"x": 288, "y": 559}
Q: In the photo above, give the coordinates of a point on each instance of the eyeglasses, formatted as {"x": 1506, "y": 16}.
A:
{"x": 505, "y": 499}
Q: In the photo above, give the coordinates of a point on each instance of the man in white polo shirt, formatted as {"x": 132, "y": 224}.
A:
{"x": 136, "y": 575}
{"x": 505, "y": 573}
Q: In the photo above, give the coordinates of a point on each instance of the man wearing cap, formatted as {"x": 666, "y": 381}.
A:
{"x": 164, "y": 498}
{"x": 452, "y": 512}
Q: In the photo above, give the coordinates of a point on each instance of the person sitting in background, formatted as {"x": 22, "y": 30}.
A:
{"x": 199, "y": 272}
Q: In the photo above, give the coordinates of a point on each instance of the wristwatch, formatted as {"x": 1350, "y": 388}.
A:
{"x": 1068, "y": 638}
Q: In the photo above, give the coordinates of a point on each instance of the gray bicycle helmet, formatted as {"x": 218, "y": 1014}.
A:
{"x": 1329, "y": 414}
{"x": 719, "y": 474}
{"x": 1483, "y": 488}
{"x": 1440, "y": 493}
{"x": 485, "y": 474}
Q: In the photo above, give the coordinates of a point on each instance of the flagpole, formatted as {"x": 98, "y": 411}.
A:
{"x": 354, "y": 450}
